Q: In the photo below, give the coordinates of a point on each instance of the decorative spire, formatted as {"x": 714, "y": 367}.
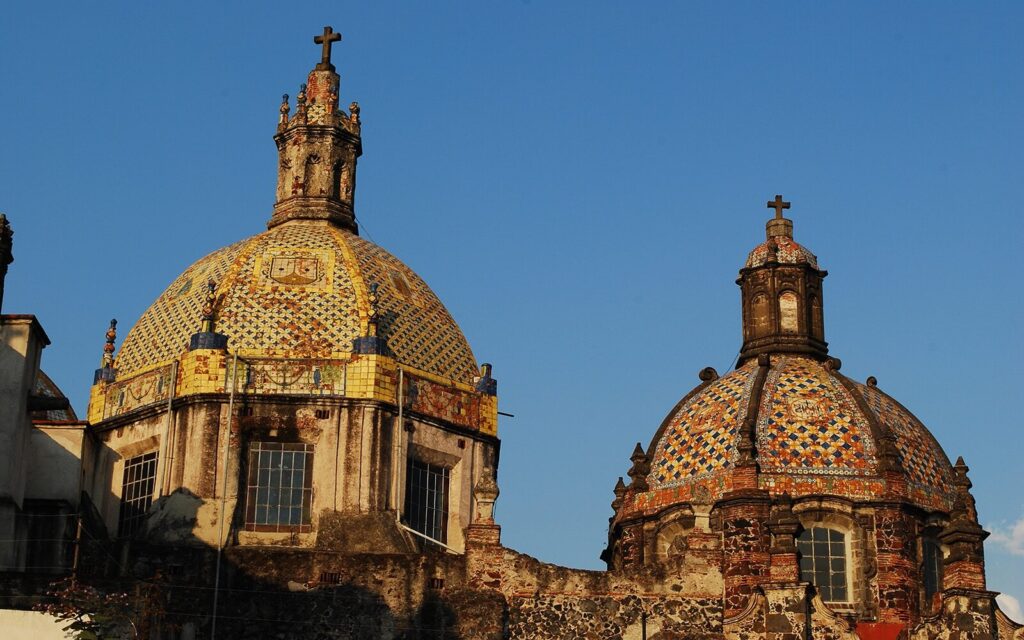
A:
{"x": 641, "y": 467}
{"x": 208, "y": 306}
{"x": 963, "y": 536}
{"x": 106, "y": 372}
{"x": 374, "y": 314}
{"x": 317, "y": 147}
{"x": 207, "y": 336}
{"x": 964, "y": 506}
{"x": 282, "y": 120}
{"x": 6, "y": 252}
{"x": 485, "y": 382}
{"x": 620, "y": 494}
{"x": 108, "y": 348}
{"x": 371, "y": 342}
{"x": 782, "y": 286}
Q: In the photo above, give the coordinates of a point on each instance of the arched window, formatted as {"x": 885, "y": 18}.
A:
{"x": 760, "y": 315}
{"x": 788, "y": 311}
{"x": 823, "y": 562}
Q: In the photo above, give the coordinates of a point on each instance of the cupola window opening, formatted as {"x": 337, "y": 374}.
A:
{"x": 137, "y": 487}
{"x": 788, "y": 312}
{"x": 426, "y": 499}
{"x": 823, "y": 562}
{"x": 279, "y": 491}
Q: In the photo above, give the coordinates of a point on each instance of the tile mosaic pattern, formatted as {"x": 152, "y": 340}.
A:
{"x": 924, "y": 460}
{"x": 700, "y": 438}
{"x": 299, "y": 290}
{"x": 787, "y": 252}
{"x": 809, "y": 423}
{"x": 812, "y": 438}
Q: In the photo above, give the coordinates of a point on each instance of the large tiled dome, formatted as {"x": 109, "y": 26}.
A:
{"x": 815, "y": 432}
{"x": 301, "y": 290}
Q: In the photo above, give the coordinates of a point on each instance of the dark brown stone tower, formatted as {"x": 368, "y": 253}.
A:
{"x": 781, "y": 284}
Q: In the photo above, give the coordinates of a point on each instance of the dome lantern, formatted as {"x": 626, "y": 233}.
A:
{"x": 317, "y": 149}
{"x": 782, "y": 291}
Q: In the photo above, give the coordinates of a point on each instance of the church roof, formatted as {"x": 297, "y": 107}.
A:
{"x": 813, "y": 436}
{"x": 786, "y": 420}
{"x": 783, "y": 250}
{"x": 300, "y": 290}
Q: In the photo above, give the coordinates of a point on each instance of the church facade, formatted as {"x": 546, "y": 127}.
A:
{"x": 295, "y": 440}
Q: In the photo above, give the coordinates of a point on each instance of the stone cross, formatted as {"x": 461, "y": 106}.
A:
{"x": 778, "y": 204}
{"x": 326, "y": 39}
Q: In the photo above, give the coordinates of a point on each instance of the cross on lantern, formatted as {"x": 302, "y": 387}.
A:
{"x": 778, "y": 204}
{"x": 326, "y": 39}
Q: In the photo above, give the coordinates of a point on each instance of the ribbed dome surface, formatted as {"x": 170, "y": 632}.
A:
{"x": 811, "y": 437}
{"x": 301, "y": 290}
{"x": 783, "y": 250}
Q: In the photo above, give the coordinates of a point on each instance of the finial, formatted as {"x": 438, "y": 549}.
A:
{"x": 106, "y": 372}
{"x": 486, "y": 493}
{"x": 7, "y": 240}
{"x": 300, "y": 100}
{"x": 325, "y": 40}
{"x": 108, "y": 348}
{"x": 872, "y": 381}
{"x": 371, "y": 342}
{"x": 708, "y": 374}
{"x": 620, "y": 493}
{"x": 285, "y": 108}
{"x": 779, "y": 226}
{"x": 208, "y": 306}
{"x": 6, "y": 253}
{"x": 354, "y": 110}
{"x": 486, "y": 383}
{"x": 207, "y": 336}
{"x": 641, "y": 466}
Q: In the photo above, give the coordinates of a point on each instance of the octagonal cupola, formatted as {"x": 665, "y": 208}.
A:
{"x": 318, "y": 146}
{"x": 781, "y": 289}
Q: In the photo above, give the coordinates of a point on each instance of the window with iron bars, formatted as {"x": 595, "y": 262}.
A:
{"x": 136, "y": 492}
{"x": 426, "y": 499}
{"x": 279, "y": 491}
{"x": 823, "y": 562}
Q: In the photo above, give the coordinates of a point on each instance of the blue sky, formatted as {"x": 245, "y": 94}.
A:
{"x": 579, "y": 182}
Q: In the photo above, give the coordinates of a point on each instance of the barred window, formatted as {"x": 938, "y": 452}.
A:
{"x": 823, "y": 562}
{"x": 426, "y": 499}
{"x": 136, "y": 492}
{"x": 280, "y": 487}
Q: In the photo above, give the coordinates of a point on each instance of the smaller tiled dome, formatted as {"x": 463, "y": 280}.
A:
{"x": 782, "y": 250}
{"x": 815, "y": 432}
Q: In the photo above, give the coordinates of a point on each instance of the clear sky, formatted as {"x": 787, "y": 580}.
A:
{"x": 579, "y": 182}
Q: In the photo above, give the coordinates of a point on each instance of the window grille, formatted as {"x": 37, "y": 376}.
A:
{"x": 136, "y": 492}
{"x": 279, "y": 491}
{"x": 823, "y": 562}
{"x": 426, "y": 499}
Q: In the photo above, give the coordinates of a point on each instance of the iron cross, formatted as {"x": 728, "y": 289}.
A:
{"x": 326, "y": 39}
{"x": 778, "y": 204}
